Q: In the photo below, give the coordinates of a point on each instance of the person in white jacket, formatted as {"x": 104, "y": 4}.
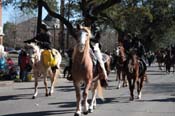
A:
{"x": 96, "y": 46}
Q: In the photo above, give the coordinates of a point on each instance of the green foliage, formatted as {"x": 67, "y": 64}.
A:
{"x": 151, "y": 20}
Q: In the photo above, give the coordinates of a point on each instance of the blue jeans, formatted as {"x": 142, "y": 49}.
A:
{"x": 23, "y": 75}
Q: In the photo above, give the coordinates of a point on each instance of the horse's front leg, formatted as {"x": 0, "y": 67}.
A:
{"x": 125, "y": 83}
{"x": 119, "y": 78}
{"x": 94, "y": 93}
{"x": 78, "y": 98}
{"x": 140, "y": 87}
{"x": 85, "y": 97}
{"x": 130, "y": 87}
{"x": 46, "y": 86}
{"x": 36, "y": 86}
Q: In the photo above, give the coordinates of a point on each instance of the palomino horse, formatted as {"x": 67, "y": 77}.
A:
{"x": 41, "y": 70}
{"x": 82, "y": 71}
{"x": 136, "y": 73}
{"x": 120, "y": 59}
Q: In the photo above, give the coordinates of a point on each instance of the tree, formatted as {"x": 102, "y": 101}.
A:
{"x": 149, "y": 19}
{"x": 61, "y": 34}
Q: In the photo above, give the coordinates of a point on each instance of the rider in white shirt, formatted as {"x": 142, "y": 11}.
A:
{"x": 96, "y": 46}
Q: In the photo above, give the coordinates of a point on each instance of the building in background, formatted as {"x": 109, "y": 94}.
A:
{"x": 16, "y": 34}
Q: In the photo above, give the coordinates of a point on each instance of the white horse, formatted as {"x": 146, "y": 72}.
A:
{"x": 40, "y": 70}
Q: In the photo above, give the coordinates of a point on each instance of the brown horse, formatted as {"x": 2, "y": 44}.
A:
{"x": 120, "y": 59}
{"x": 82, "y": 71}
{"x": 136, "y": 73}
{"x": 160, "y": 57}
{"x": 40, "y": 70}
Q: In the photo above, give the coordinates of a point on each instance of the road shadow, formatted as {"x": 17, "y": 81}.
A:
{"x": 64, "y": 104}
{"x": 15, "y": 97}
{"x": 159, "y": 88}
{"x": 65, "y": 88}
{"x": 113, "y": 100}
{"x": 155, "y": 70}
{"x": 156, "y": 74}
{"x": 160, "y": 100}
{"x": 43, "y": 113}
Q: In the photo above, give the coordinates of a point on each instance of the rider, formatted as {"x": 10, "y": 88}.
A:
{"x": 96, "y": 46}
{"x": 43, "y": 39}
{"x": 140, "y": 49}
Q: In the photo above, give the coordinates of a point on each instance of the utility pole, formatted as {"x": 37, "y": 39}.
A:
{"x": 39, "y": 16}
{"x": 68, "y": 17}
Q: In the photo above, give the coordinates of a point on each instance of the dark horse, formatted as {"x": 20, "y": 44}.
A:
{"x": 136, "y": 72}
{"x": 119, "y": 60}
{"x": 82, "y": 71}
{"x": 169, "y": 60}
{"x": 160, "y": 57}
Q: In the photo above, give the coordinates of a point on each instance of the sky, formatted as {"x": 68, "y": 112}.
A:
{"x": 8, "y": 14}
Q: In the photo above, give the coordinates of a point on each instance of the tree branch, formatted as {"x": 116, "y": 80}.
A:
{"x": 98, "y": 9}
{"x": 65, "y": 21}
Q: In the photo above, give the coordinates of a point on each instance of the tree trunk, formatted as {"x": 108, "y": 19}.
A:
{"x": 39, "y": 16}
{"x": 61, "y": 37}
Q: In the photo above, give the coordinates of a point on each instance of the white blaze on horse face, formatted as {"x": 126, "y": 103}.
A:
{"x": 118, "y": 51}
{"x": 130, "y": 66}
{"x": 82, "y": 40}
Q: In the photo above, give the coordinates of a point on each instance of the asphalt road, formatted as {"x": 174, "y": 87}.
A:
{"x": 158, "y": 98}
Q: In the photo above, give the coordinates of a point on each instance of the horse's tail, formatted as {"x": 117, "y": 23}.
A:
{"x": 100, "y": 90}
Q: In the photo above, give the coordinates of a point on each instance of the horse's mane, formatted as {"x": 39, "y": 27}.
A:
{"x": 33, "y": 45}
{"x": 36, "y": 48}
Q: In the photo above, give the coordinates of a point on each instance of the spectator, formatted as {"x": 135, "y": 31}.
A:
{"x": 23, "y": 62}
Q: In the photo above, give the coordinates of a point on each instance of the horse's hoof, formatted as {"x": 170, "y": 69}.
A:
{"x": 138, "y": 98}
{"x": 47, "y": 94}
{"x": 50, "y": 94}
{"x": 77, "y": 114}
{"x": 131, "y": 99}
{"x": 33, "y": 97}
{"x": 90, "y": 110}
{"x": 85, "y": 113}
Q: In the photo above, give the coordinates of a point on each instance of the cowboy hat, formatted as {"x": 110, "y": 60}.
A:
{"x": 44, "y": 27}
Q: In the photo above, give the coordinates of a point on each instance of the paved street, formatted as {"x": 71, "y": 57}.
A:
{"x": 158, "y": 98}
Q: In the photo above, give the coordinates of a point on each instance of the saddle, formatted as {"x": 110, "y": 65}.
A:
{"x": 95, "y": 60}
{"x": 49, "y": 58}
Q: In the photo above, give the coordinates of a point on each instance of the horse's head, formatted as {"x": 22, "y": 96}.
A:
{"x": 34, "y": 52}
{"x": 83, "y": 37}
{"x": 132, "y": 60}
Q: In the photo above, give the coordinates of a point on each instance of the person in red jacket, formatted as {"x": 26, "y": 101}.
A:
{"x": 23, "y": 63}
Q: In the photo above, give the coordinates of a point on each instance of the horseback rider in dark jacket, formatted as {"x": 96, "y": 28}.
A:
{"x": 139, "y": 49}
{"x": 42, "y": 39}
